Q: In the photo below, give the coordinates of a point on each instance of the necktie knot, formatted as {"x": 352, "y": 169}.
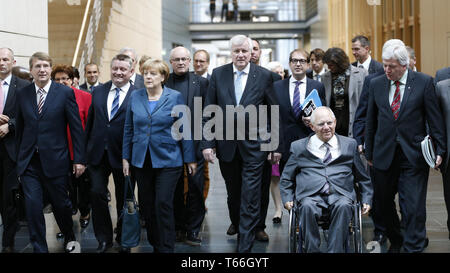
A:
{"x": 397, "y": 83}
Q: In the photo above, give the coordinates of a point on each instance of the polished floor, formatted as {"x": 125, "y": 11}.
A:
{"x": 213, "y": 233}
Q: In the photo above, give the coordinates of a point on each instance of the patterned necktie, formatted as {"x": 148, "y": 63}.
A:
{"x": 296, "y": 101}
{"x": 395, "y": 106}
{"x": 326, "y": 160}
{"x": 115, "y": 104}
{"x": 2, "y": 97}
{"x": 238, "y": 90}
{"x": 317, "y": 77}
{"x": 41, "y": 100}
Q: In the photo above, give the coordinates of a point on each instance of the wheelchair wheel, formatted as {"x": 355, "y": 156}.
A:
{"x": 293, "y": 231}
{"x": 357, "y": 230}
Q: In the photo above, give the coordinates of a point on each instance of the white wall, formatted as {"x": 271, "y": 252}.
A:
{"x": 24, "y": 28}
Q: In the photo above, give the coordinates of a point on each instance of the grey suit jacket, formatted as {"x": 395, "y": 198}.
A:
{"x": 443, "y": 94}
{"x": 305, "y": 174}
{"x": 357, "y": 76}
{"x": 442, "y": 74}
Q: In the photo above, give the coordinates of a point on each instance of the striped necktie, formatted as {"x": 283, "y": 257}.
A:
{"x": 395, "y": 106}
{"x": 296, "y": 101}
{"x": 326, "y": 160}
{"x": 115, "y": 104}
{"x": 41, "y": 99}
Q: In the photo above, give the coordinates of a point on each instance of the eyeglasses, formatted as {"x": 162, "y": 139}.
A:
{"x": 177, "y": 60}
{"x": 295, "y": 61}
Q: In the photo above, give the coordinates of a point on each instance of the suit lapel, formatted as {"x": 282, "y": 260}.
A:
{"x": 409, "y": 87}
{"x": 285, "y": 98}
{"x": 11, "y": 94}
{"x": 123, "y": 106}
{"x": 104, "y": 99}
{"x": 144, "y": 100}
{"x": 193, "y": 84}
{"x": 162, "y": 100}
{"x": 49, "y": 98}
{"x": 230, "y": 82}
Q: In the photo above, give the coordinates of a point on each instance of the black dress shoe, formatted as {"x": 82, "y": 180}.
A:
{"x": 103, "y": 246}
{"x": 193, "y": 239}
{"x": 231, "y": 230}
{"x": 262, "y": 236}
{"x": 84, "y": 222}
{"x": 380, "y": 238}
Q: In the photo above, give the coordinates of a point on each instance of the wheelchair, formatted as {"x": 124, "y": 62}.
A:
{"x": 354, "y": 244}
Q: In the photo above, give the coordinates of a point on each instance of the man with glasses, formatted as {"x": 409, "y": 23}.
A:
{"x": 291, "y": 93}
{"x": 201, "y": 63}
{"x": 188, "y": 217}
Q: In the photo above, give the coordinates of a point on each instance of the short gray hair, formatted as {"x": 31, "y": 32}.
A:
{"x": 125, "y": 49}
{"x": 179, "y": 47}
{"x": 314, "y": 113}
{"x": 396, "y": 51}
{"x": 240, "y": 40}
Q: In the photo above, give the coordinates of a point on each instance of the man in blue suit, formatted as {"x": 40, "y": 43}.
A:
{"x": 104, "y": 131}
{"x": 44, "y": 109}
{"x": 295, "y": 126}
{"x": 361, "y": 52}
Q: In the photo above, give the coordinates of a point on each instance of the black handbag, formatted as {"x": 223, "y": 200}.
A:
{"x": 131, "y": 226}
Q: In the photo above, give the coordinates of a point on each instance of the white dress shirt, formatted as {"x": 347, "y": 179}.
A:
{"x": 46, "y": 89}
{"x": 321, "y": 73}
{"x": 133, "y": 78}
{"x": 5, "y": 86}
{"x": 301, "y": 89}
{"x": 365, "y": 64}
{"x": 316, "y": 147}
{"x": 112, "y": 93}
{"x": 402, "y": 88}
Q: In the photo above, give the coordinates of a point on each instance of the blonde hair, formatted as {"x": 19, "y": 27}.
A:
{"x": 158, "y": 65}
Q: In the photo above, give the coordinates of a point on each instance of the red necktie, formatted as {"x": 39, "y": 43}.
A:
{"x": 395, "y": 106}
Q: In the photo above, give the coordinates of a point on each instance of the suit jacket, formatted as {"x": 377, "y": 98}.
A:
{"x": 357, "y": 76}
{"x": 294, "y": 128}
{"x": 258, "y": 91}
{"x": 103, "y": 133}
{"x": 374, "y": 67}
{"x": 10, "y": 110}
{"x": 84, "y": 87}
{"x": 151, "y": 131}
{"x": 419, "y": 105}
{"x": 139, "y": 82}
{"x": 305, "y": 174}
{"x": 359, "y": 124}
{"x": 197, "y": 89}
{"x": 442, "y": 74}
{"x": 443, "y": 94}
{"x": 47, "y": 132}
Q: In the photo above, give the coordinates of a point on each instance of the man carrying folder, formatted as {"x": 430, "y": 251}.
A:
{"x": 291, "y": 94}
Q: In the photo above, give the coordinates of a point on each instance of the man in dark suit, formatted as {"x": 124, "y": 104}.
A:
{"x": 135, "y": 79}
{"x": 44, "y": 109}
{"x": 321, "y": 173}
{"x": 260, "y": 234}
{"x": 317, "y": 69}
{"x": 400, "y": 105}
{"x": 442, "y": 74}
{"x": 91, "y": 75}
{"x": 361, "y": 51}
{"x": 291, "y": 93}
{"x": 443, "y": 93}
{"x": 201, "y": 63}
{"x": 9, "y": 85}
{"x": 104, "y": 130}
{"x": 241, "y": 161}
{"x": 189, "y": 217}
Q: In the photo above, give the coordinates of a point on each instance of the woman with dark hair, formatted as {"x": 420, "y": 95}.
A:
{"x": 157, "y": 158}
{"x": 343, "y": 85}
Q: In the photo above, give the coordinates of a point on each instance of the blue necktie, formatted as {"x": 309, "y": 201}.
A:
{"x": 238, "y": 90}
{"x": 115, "y": 104}
{"x": 296, "y": 101}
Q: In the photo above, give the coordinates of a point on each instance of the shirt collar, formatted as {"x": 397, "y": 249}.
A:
{"x": 133, "y": 78}
{"x": 292, "y": 80}
{"x": 366, "y": 63}
{"x": 246, "y": 69}
{"x": 316, "y": 142}
{"x": 122, "y": 89}
{"x": 403, "y": 79}
{"x": 46, "y": 87}
{"x": 320, "y": 73}
{"x": 7, "y": 80}
{"x": 89, "y": 85}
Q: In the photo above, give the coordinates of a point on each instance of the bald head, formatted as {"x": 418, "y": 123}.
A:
{"x": 180, "y": 60}
{"x": 323, "y": 123}
{"x": 6, "y": 62}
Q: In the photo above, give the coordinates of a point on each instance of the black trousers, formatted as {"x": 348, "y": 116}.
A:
{"x": 158, "y": 186}
{"x": 446, "y": 182}
{"x": 190, "y": 209}
{"x": 34, "y": 182}
{"x": 243, "y": 183}
{"x": 101, "y": 217}
{"x": 265, "y": 195}
{"x": 79, "y": 193}
{"x": 411, "y": 183}
{"x": 8, "y": 188}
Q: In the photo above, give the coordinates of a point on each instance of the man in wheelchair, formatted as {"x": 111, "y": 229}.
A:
{"x": 321, "y": 173}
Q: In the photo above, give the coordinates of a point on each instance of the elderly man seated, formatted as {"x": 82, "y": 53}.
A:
{"x": 320, "y": 173}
